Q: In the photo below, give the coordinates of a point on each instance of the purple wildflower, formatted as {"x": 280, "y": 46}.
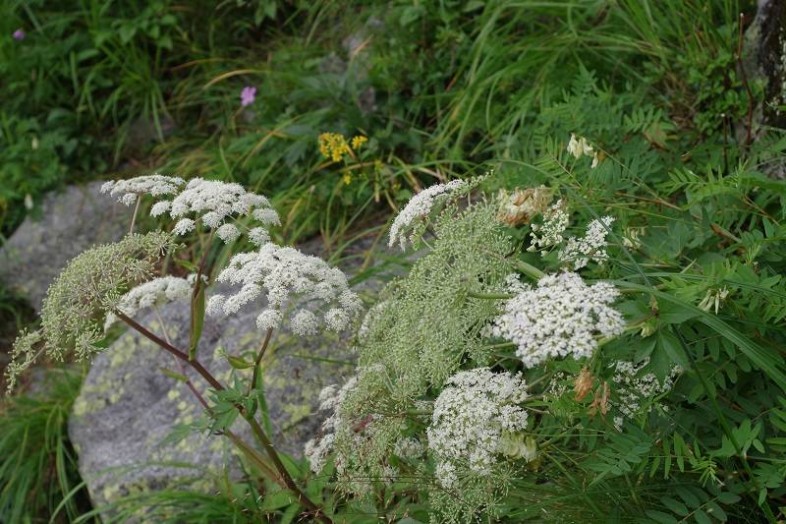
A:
{"x": 248, "y": 95}
{"x": 19, "y": 34}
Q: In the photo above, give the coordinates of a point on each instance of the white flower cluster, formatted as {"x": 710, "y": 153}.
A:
{"x": 331, "y": 398}
{"x": 550, "y": 232}
{"x": 127, "y": 191}
{"x": 574, "y": 251}
{"x": 560, "y": 317}
{"x": 634, "y": 388}
{"x": 472, "y": 417}
{"x": 591, "y": 246}
{"x": 417, "y": 209}
{"x": 578, "y": 147}
{"x": 286, "y": 273}
{"x": 215, "y": 202}
{"x": 152, "y": 293}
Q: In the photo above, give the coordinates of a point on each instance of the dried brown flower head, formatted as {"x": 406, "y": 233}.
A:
{"x": 521, "y": 206}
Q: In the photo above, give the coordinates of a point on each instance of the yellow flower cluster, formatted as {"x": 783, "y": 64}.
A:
{"x": 334, "y": 146}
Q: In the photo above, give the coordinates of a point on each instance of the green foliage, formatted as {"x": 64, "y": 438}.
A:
{"x": 38, "y": 470}
{"x": 656, "y": 88}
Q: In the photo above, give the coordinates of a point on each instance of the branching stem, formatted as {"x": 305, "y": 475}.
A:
{"x": 282, "y": 473}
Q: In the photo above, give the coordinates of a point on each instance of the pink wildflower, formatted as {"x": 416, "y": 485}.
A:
{"x": 19, "y": 34}
{"x": 248, "y": 95}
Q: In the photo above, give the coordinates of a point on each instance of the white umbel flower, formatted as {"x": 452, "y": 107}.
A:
{"x": 331, "y": 399}
{"x": 215, "y": 202}
{"x": 472, "y": 418}
{"x": 592, "y": 246}
{"x": 550, "y": 232}
{"x": 152, "y": 293}
{"x": 127, "y": 191}
{"x": 636, "y": 391}
{"x": 417, "y": 209}
{"x": 562, "y": 316}
{"x": 285, "y": 274}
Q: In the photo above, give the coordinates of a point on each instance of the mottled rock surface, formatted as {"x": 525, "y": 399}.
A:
{"x": 70, "y": 222}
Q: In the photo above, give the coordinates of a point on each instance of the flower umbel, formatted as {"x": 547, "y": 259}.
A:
{"x": 592, "y": 246}
{"x": 152, "y": 293}
{"x": 72, "y": 316}
{"x": 287, "y": 274}
{"x": 411, "y": 218}
{"x": 561, "y": 316}
{"x": 127, "y": 191}
{"x": 472, "y": 417}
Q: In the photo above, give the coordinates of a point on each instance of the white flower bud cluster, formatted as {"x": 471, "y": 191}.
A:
{"x": 634, "y": 389}
{"x": 417, "y": 209}
{"x": 154, "y": 292}
{"x": 472, "y": 417}
{"x": 560, "y": 317}
{"x": 331, "y": 398}
{"x": 592, "y": 246}
{"x": 286, "y": 273}
{"x": 549, "y": 233}
{"x": 127, "y": 191}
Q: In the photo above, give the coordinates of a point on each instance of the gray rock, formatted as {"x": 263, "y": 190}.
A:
{"x": 764, "y": 61}
{"x": 128, "y": 406}
{"x": 71, "y": 221}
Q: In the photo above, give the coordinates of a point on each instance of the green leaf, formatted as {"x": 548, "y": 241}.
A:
{"x": 661, "y": 517}
{"x": 716, "y": 511}
{"x": 277, "y": 500}
{"x": 675, "y": 505}
{"x": 239, "y": 363}
{"x": 701, "y": 517}
{"x": 767, "y": 361}
{"x": 171, "y": 374}
{"x": 671, "y": 345}
{"x": 126, "y": 32}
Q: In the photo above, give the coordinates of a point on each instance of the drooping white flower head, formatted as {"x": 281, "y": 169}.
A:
{"x": 152, "y": 293}
{"x": 473, "y": 417}
{"x": 592, "y": 246}
{"x": 127, "y": 191}
{"x": 578, "y": 146}
{"x": 286, "y": 275}
{"x": 560, "y": 317}
{"x": 418, "y": 208}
